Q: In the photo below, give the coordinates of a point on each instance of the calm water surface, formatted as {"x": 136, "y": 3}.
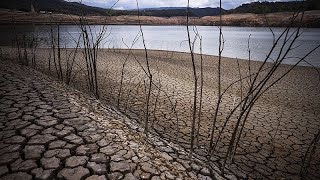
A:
{"x": 174, "y": 38}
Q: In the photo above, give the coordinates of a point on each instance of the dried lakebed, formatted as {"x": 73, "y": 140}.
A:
{"x": 47, "y": 132}
{"x": 276, "y": 136}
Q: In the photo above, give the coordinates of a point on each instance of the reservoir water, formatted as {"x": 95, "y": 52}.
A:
{"x": 174, "y": 38}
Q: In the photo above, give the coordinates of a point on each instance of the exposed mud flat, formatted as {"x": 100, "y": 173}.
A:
{"x": 278, "y": 131}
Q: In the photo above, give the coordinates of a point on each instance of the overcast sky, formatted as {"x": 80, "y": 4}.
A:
{"x": 131, "y": 4}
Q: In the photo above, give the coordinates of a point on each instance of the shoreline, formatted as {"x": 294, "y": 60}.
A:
{"x": 212, "y": 56}
{"x": 116, "y": 50}
{"x": 311, "y": 19}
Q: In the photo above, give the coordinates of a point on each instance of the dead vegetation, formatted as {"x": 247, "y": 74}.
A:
{"x": 231, "y": 113}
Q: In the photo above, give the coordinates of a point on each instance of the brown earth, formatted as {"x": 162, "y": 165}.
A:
{"x": 311, "y": 19}
{"x": 276, "y": 136}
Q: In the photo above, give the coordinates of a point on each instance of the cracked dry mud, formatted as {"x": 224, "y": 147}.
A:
{"x": 47, "y": 132}
{"x": 277, "y": 133}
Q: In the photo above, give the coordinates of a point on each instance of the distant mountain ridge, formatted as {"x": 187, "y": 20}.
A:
{"x": 61, "y": 6}
{"x": 272, "y": 7}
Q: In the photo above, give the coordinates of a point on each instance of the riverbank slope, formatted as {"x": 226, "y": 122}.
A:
{"x": 311, "y": 19}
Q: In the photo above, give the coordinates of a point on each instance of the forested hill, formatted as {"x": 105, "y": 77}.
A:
{"x": 61, "y": 6}
{"x": 58, "y": 6}
{"x": 272, "y": 7}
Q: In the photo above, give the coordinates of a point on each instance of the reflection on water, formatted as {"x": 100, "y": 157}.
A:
{"x": 174, "y": 38}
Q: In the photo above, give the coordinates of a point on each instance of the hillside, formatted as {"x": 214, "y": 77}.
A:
{"x": 311, "y": 19}
{"x": 61, "y": 6}
{"x": 68, "y": 13}
{"x": 74, "y": 8}
{"x": 58, "y": 6}
{"x": 273, "y": 7}
{"x": 180, "y": 11}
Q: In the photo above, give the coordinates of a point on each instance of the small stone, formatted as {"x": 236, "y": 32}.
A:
{"x": 50, "y": 163}
{"x": 33, "y": 152}
{"x": 41, "y": 174}
{"x": 74, "y": 173}
{"x": 120, "y": 167}
{"x": 17, "y": 176}
{"x": 135, "y": 158}
{"x": 99, "y": 158}
{"x": 75, "y": 161}
{"x": 96, "y": 177}
{"x": 99, "y": 169}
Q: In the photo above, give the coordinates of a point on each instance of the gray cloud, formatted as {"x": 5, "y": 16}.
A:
{"x": 131, "y": 4}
